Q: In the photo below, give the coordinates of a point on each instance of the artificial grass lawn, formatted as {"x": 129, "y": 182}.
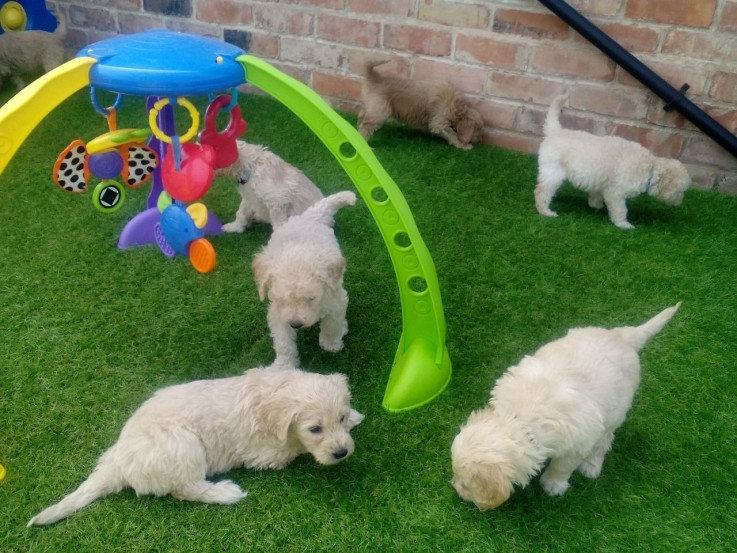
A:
{"x": 90, "y": 331}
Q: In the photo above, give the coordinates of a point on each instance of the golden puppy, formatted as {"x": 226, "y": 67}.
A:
{"x": 23, "y": 52}
{"x": 186, "y": 433}
{"x": 609, "y": 168}
{"x": 563, "y": 403}
{"x": 434, "y": 106}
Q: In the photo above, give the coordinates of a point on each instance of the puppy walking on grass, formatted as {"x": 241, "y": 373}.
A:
{"x": 609, "y": 168}
{"x": 186, "y": 433}
{"x": 435, "y": 106}
{"x": 563, "y": 403}
{"x": 300, "y": 270}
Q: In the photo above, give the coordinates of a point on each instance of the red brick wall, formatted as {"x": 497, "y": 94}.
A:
{"x": 511, "y": 56}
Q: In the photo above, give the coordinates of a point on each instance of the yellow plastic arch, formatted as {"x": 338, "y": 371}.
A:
{"x": 22, "y": 113}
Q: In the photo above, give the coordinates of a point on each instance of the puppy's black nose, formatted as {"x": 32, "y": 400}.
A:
{"x": 340, "y": 453}
{"x": 295, "y": 324}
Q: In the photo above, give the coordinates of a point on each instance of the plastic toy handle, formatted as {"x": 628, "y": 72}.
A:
{"x": 161, "y": 135}
{"x": 24, "y": 111}
{"x": 422, "y": 367}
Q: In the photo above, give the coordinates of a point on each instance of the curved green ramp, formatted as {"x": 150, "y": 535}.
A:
{"x": 422, "y": 367}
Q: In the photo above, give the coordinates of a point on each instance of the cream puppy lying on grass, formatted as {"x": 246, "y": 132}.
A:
{"x": 186, "y": 433}
{"x": 563, "y": 403}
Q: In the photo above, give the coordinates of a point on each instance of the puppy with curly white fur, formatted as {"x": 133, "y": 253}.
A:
{"x": 186, "y": 433}
{"x": 611, "y": 169}
{"x": 300, "y": 270}
{"x": 271, "y": 189}
{"x": 564, "y": 403}
{"x": 23, "y": 52}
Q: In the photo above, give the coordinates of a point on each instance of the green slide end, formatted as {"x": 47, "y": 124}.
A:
{"x": 422, "y": 367}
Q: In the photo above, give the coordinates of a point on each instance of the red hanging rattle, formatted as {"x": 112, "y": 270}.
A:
{"x": 226, "y": 150}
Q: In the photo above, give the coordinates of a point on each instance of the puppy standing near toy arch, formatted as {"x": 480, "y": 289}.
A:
{"x": 422, "y": 367}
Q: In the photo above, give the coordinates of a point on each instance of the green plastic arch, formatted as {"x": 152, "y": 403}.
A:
{"x": 422, "y": 368}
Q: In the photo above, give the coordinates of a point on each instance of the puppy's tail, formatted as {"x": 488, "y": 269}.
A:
{"x": 552, "y": 122}
{"x": 323, "y": 211}
{"x": 637, "y": 336}
{"x": 61, "y": 28}
{"x": 369, "y": 72}
{"x": 104, "y": 480}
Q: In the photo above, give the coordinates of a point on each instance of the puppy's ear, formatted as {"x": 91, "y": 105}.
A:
{"x": 278, "y": 414}
{"x": 333, "y": 270}
{"x": 354, "y": 419}
{"x": 460, "y": 106}
{"x": 488, "y": 486}
{"x": 262, "y": 274}
{"x": 465, "y": 129}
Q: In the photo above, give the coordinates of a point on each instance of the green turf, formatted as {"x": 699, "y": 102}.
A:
{"x": 87, "y": 332}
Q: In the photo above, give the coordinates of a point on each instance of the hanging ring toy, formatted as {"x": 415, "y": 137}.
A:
{"x": 233, "y": 99}
{"x": 158, "y": 106}
{"x": 105, "y": 112}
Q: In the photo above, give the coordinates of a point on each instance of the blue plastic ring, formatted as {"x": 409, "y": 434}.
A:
{"x": 98, "y": 108}
{"x": 233, "y": 99}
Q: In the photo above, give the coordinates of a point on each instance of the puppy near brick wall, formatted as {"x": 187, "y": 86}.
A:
{"x": 26, "y": 52}
{"x": 609, "y": 168}
{"x": 563, "y": 403}
{"x": 186, "y": 433}
{"x": 300, "y": 271}
{"x": 434, "y": 106}
{"x": 271, "y": 189}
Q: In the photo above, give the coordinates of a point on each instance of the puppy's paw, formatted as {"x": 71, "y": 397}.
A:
{"x": 590, "y": 469}
{"x": 547, "y": 212}
{"x": 554, "y": 487}
{"x": 625, "y": 225}
{"x": 234, "y": 226}
{"x": 331, "y": 344}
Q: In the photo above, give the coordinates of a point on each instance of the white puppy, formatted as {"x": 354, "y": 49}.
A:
{"x": 301, "y": 270}
{"x": 183, "y": 434}
{"x": 271, "y": 189}
{"x": 23, "y": 52}
{"x": 563, "y": 403}
{"x": 609, "y": 168}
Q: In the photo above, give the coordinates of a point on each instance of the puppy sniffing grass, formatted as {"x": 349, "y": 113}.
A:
{"x": 24, "y": 52}
{"x": 609, "y": 168}
{"x": 271, "y": 190}
{"x": 563, "y": 403}
{"x": 434, "y": 106}
{"x": 186, "y": 433}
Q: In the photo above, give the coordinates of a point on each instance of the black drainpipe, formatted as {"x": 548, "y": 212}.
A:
{"x": 674, "y": 99}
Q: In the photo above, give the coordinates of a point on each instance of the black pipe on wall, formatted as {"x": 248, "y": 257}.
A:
{"x": 673, "y": 98}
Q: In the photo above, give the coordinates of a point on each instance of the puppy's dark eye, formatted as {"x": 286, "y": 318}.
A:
{"x": 311, "y": 300}
{"x": 342, "y": 419}
{"x": 316, "y": 429}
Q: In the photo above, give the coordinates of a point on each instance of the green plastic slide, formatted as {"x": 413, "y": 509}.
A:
{"x": 422, "y": 367}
